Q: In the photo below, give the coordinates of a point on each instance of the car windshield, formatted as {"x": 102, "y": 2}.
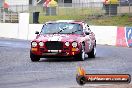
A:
{"x": 62, "y": 28}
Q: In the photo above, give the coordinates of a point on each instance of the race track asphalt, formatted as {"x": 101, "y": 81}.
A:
{"x": 17, "y": 70}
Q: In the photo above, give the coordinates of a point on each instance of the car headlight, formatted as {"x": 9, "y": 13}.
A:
{"x": 41, "y": 44}
{"x": 34, "y": 44}
{"x": 67, "y": 43}
{"x": 74, "y": 44}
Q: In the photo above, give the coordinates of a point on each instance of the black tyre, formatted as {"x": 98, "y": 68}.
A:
{"x": 92, "y": 54}
{"x": 81, "y": 55}
{"x": 33, "y": 57}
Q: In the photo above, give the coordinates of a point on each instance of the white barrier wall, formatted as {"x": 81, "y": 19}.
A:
{"x": 24, "y": 30}
{"x": 9, "y": 30}
{"x": 23, "y": 26}
{"x": 105, "y": 34}
{"x": 32, "y": 29}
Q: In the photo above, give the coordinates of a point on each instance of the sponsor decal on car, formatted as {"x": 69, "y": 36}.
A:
{"x": 60, "y": 38}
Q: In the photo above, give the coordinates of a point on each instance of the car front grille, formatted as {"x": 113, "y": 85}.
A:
{"x": 54, "y": 45}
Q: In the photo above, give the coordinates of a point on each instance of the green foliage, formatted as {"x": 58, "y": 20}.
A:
{"x": 124, "y": 20}
{"x": 56, "y": 0}
{"x": 44, "y": 19}
{"x": 91, "y": 16}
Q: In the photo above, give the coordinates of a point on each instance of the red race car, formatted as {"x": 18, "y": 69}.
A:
{"x": 64, "y": 38}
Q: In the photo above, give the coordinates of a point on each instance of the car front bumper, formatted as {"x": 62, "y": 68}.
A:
{"x": 69, "y": 52}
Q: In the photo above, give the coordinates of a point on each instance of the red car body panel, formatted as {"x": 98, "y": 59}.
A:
{"x": 89, "y": 41}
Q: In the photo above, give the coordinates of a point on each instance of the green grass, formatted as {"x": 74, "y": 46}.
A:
{"x": 53, "y": 18}
{"x": 67, "y": 13}
{"x": 91, "y": 16}
{"x": 124, "y": 20}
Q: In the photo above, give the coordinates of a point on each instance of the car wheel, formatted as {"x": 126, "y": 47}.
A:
{"x": 81, "y": 55}
{"x": 92, "y": 54}
{"x": 33, "y": 57}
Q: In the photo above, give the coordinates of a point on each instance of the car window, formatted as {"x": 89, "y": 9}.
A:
{"x": 62, "y": 28}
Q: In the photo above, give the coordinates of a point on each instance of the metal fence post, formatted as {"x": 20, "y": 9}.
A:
{"x": 129, "y": 8}
{"x": 22, "y": 9}
{"x": 4, "y": 16}
{"x": 118, "y": 9}
{"x": 82, "y": 7}
{"x": 0, "y": 14}
{"x": 10, "y": 17}
{"x": 109, "y": 8}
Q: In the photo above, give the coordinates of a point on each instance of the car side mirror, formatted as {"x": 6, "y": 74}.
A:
{"x": 36, "y": 32}
{"x": 87, "y": 33}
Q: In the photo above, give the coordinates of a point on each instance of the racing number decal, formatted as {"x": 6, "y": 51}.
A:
{"x": 89, "y": 42}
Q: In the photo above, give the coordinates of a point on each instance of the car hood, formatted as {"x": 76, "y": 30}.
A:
{"x": 59, "y": 37}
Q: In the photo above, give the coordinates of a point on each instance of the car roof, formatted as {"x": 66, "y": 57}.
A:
{"x": 66, "y": 21}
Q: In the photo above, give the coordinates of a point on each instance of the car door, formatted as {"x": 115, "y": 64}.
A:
{"x": 92, "y": 37}
{"x": 87, "y": 39}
